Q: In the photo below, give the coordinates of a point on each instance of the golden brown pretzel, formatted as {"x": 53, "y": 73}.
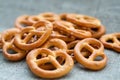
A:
{"x": 96, "y": 32}
{"x": 13, "y": 53}
{"x": 22, "y": 21}
{"x": 44, "y": 16}
{"x": 111, "y": 41}
{"x": 51, "y": 57}
{"x": 83, "y": 20}
{"x": 8, "y": 35}
{"x": 23, "y": 39}
{"x": 69, "y": 28}
{"x": 49, "y": 16}
{"x": 94, "y": 49}
{"x": 10, "y": 51}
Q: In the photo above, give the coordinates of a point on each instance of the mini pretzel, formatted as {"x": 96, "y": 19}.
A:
{"x": 111, "y": 41}
{"x": 44, "y": 16}
{"x": 8, "y": 35}
{"x": 96, "y": 32}
{"x": 69, "y": 28}
{"x": 83, "y": 20}
{"x": 94, "y": 49}
{"x": 8, "y": 39}
{"x": 51, "y": 57}
{"x": 23, "y": 39}
{"x": 49, "y": 16}
{"x": 22, "y": 22}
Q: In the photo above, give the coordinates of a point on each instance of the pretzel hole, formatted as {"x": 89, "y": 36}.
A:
{"x": 33, "y": 39}
{"x": 71, "y": 53}
{"x": 11, "y": 51}
{"x": 63, "y": 18}
{"x": 95, "y": 29}
{"x": 42, "y": 55}
{"x": 60, "y": 59}
{"x": 98, "y": 58}
{"x": 53, "y": 48}
{"x": 24, "y": 35}
{"x": 95, "y": 46}
{"x": 85, "y": 52}
{"x": 118, "y": 38}
{"x": 72, "y": 47}
{"x": 47, "y": 66}
{"x": 24, "y": 24}
{"x": 110, "y": 41}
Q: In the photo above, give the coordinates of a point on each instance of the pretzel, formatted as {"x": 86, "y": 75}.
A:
{"x": 22, "y": 21}
{"x": 23, "y": 39}
{"x": 83, "y": 20}
{"x": 10, "y": 51}
{"x": 51, "y": 57}
{"x": 8, "y": 35}
{"x": 95, "y": 50}
{"x": 96, "y": 32}
{"x": 111, "y": 41}
{"x": 69, "y": 28}
{"x": 44, "y": 16}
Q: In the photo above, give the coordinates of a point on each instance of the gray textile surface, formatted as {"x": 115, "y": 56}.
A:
{"x": 108, "y": 11}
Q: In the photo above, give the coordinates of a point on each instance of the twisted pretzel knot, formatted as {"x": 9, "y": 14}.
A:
{"x": 69, "y": 28}
{"x": 23, "y": 39}
{"x": 10, "y": 51}
{"x": 22, "y": 22}
{"x": 51, "y": 57}
{"x": 44, "y": 16}
{"x": 111, "y": 41}
{"x": 93, "y": 48}
{"x": 83, "y": 20}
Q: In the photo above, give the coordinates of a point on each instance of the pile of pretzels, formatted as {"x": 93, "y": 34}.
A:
{"x": 53, "y": 43}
